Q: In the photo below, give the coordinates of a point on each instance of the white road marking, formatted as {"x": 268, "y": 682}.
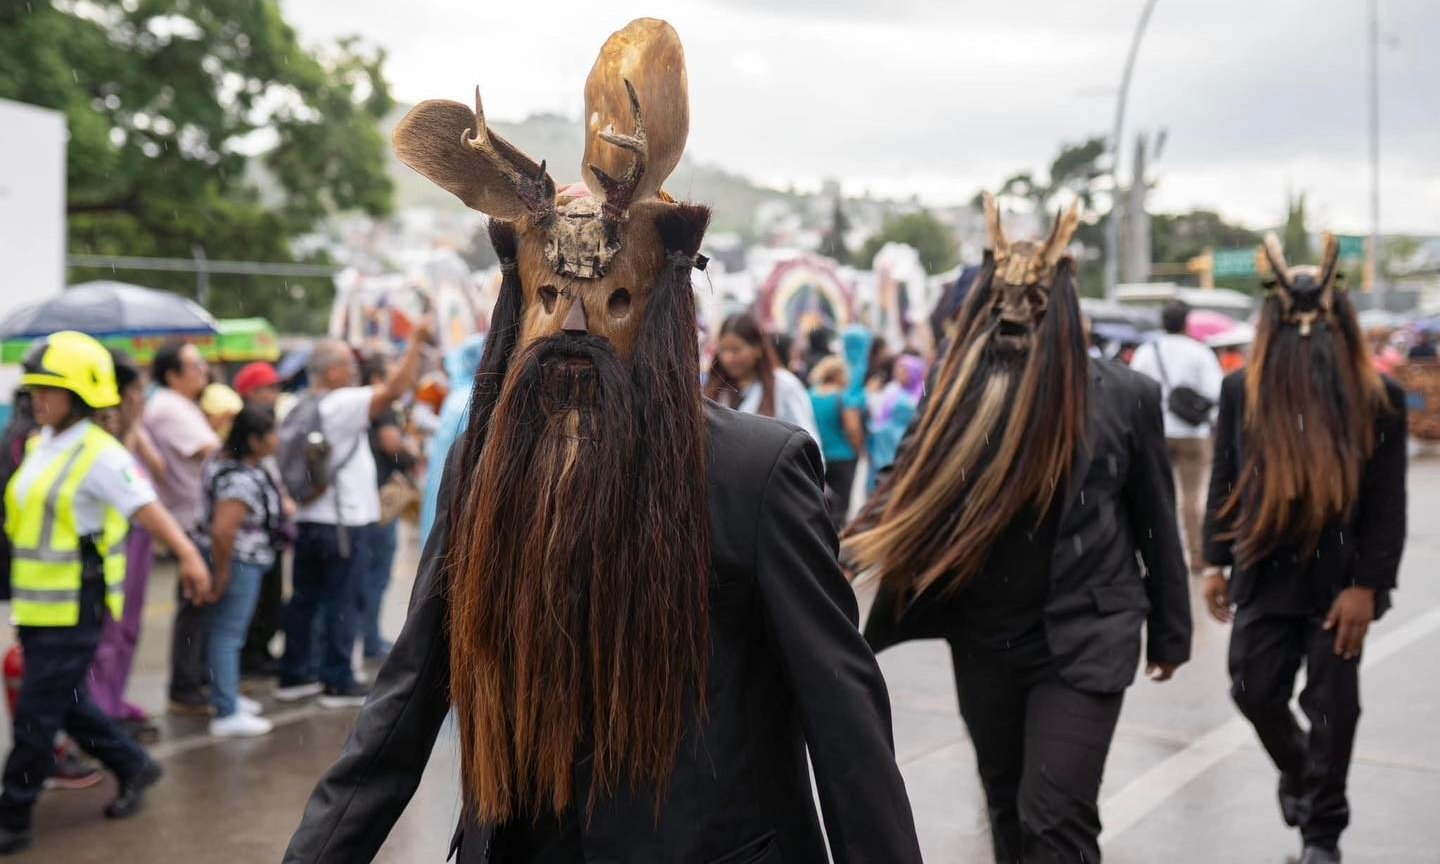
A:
{"x": 1141, "y": 796}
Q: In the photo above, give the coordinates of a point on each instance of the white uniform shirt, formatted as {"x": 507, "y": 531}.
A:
{"x": 114, "y": 480}
{"x": 792, "y": 402}
{"x": 345, "y": 418}
{"x": 1188, "y": 363}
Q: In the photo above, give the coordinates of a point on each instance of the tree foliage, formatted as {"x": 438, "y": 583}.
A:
{"x": 1297, "y": 237}
{"x": 201, "y": 123}
{"x": 928, "y": 235}
{"x": 1074, "y": 170}
{"x": 1178, "y": 237}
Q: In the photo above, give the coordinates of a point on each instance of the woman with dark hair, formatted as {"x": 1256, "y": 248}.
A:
{"x": 747, "y": 376}
{"x": 242, "y": 512}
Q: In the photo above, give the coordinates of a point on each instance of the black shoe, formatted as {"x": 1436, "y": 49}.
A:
{"x": 1320, "y": 855}
{"x": 12, "y": 841}
{"x": 351, "y": 695}
{"x": 132, "y": 791}
{"x": 1290, "y": 799}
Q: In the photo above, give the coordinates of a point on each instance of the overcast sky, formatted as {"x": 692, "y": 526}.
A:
{"x": 943, "y": 97}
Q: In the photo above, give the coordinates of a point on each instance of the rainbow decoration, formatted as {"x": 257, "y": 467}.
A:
{"x": 805, "y": 293}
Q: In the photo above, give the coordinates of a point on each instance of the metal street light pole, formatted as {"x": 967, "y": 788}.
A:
{"x": 1112, "y": 225}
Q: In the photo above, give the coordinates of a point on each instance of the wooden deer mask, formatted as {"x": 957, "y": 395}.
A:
{"x": 589, "y": 253}
{"x": 1024, "y": 272}
{"x": 1307, "y": 294}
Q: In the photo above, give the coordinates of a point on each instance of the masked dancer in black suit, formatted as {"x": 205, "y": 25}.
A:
{"x": 1010, "y": 527}
{"x": 1307, "y": 516}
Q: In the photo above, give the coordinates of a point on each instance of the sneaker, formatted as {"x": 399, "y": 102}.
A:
{"x": 72, "y": 772}
{"x": 351, "y": 696}
{"x": 12, "y": 841}
{"x": 132, "y": 791}
{"x": 298, "y": 691}
{"x": 246, "y": 705}
{"x": 240, "y": 725}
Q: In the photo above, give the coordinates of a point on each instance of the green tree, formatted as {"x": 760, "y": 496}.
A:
{"x": 1074, "y": 169}
{"x": 1296, "y": 239}
{"x": 832, "y": 245}
{"x": 202, "y": 123}
{"x": 930, "y": 237}
{"x": 1178, "y": 237}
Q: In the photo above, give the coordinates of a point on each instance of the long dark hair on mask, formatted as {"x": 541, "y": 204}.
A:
{"x": 1311, "y": 403}
{"x": 997, "y": 438}
{"x": 578, "y": 586}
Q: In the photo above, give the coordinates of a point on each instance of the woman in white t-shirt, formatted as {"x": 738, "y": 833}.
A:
{"x": 747, "y": 376}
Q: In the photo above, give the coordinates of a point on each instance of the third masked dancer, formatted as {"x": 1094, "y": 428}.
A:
{"x": 1009, "y": 527}
{"x": 1306, "y": 518}
{"x": 630, "y": 597}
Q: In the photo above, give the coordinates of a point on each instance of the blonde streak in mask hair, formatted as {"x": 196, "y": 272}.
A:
{"x": 987, "y": 420}
{"x": 902, "y": 528}
{"x": 934, "y": 424}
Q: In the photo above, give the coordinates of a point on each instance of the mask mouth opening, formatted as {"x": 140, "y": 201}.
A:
{"x": 1012, "y": 329}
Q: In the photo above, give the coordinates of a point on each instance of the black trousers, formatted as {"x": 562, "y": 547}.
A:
{"x": 189, "y": 660}
{"x": 1041, "y": 746}
{"x": 1265, "y": 654}
{"x": 839, "y": 482}
{"x": 54, "y": 696}
{"x": 255, "y": 657}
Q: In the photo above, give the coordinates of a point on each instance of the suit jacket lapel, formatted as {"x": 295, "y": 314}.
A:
{"x": 1074, "y": 483}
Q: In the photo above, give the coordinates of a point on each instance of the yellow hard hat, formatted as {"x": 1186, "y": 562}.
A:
{"x": 73, "y": 361}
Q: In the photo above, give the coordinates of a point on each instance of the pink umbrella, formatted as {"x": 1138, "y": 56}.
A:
{"x": 1202, "y": 324}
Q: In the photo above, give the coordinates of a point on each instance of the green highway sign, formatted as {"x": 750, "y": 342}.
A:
{"x": 1230, "y": 263}
{"x": 1352, "y": 248}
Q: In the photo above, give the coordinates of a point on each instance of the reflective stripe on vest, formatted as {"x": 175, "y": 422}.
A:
{"x": 46, "y": 567}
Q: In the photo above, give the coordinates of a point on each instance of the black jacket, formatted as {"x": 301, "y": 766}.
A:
{"x": 1119, "y": 499}
{"x": 788, "y": 669}
{"x": 1363, "y": 550}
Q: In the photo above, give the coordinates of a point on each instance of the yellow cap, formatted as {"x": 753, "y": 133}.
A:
{"x": 73, "y": 361}
{"x": 218, "y": 400}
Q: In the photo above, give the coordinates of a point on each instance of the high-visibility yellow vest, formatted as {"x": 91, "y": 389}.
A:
{"x": 45, "y": 566}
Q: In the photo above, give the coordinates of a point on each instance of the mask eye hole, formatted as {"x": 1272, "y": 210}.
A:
{"x": 619, "y": 303}
{"x": 548, "y": 297}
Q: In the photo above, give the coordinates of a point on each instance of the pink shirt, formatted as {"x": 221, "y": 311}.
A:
{"x": 181, "y": 433}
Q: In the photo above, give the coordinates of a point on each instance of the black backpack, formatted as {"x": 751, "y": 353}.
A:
{"x": 1184, "y": 402}
{"x": 305, "y": 451}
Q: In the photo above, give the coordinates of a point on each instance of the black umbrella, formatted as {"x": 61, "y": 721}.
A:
{"x": 110, "y": 309}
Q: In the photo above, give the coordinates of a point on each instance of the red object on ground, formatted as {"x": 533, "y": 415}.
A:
{"x": 14, "y": 674}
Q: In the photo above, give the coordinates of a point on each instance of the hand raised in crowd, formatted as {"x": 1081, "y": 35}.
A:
{"x": 1216, "y": 592}
{"x": 1350, "y": 616}
{"x": 425, "y": 329}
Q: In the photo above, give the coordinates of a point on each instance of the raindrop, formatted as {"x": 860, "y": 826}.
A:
{"x": 1300, "y": 419}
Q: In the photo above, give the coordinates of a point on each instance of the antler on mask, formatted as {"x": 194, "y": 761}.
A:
{"x": 1306, "y": 294}
{"x": 1065, "y": 225}
{"x": 619, "y": 193}
{"x": 994, "y": 231}
{"x": 1275, "y": 257}
{"x": 450, "y": 144}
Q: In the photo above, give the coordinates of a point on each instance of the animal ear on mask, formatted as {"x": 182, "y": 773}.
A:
{"x": 1275, "y": 258}
{"x": 1330, "y": 261}
{"x": 637, "y": 113}
{"x": 998, "y": 246}
{"x": 451, "y": 146}
{"x": 1060, "y": 235}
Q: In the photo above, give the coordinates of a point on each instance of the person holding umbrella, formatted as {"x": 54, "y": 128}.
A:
{"x": 68, "y": 510}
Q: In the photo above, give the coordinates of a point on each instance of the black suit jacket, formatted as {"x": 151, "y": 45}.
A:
{"x": 1119, "y": 500}
{"x": 1362, "y": 550}
{"x": 788, "y": 669}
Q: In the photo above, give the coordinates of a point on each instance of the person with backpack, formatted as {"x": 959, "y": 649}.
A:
{"x": 1189, "y": 375}
{"x": 68, "y": 509}
{"x": 328, "y": 468}
{"x": 244, "y": 521}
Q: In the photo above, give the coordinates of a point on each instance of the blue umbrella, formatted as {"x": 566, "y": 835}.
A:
{"x": 110, "y": 309}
